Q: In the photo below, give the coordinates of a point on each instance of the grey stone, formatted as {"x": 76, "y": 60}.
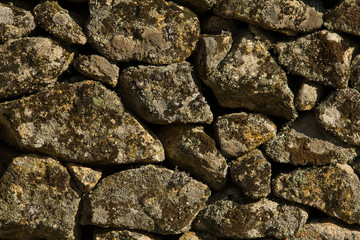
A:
{"x": 122, "y": 235}
{"x": 308, "y": 96}
{"x": 355, "y": 73}
{"x": 200, "y": 6}
{"x": 85, "y": 178}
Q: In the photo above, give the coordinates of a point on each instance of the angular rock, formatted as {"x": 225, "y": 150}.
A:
{"x": 305, "y": 142}
{"x": 218, "y": 25}
{"x": 97, "y": 68}
{"x": 339, "y": 115}
{"x": 37, "y": 201}
{"x": 323, "y": 57}
{"x": 149, "y": 198}
{"x": 81, "y": 123}
{"x": 122, "y": 235}
{"x": 14, "y": 22}
{"x": 288, "y": 17}
{"x": 308, "y": 96}
{"x": 31, "y": 64}
{"x": 85, "y": 178}
{"x": 190, "y": 148}
{"x": 198, "y": 236}
{"x": 355, "y": 73}
{"x": 238, "y": 133}
{"x": 164, "y": 94}
{"x": 200, "y": 6}
{"x": 334, "y": 190}
{"x": 57, "y": 20}
{"x": 252, "y": 173}
{"x": 153, "y": 31}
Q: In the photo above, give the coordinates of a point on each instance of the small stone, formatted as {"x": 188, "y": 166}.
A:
{"x": 164, "y": 94}
{"x": 149, "y": 198}
{"x": 122, "y": 235}
{"x": 153, "y": 31}
{"x": 339, "y": 115}
{"x": 86, "y": 178}
{"x": 31, "y": 64}
{"x": 252, "y": 173}
{"x": 308, "y": 96}
{"x": 218, "y": 25}
{"x": 198, "y": 236}
{"x": 81, "y": 123}
{"x": 334, "y": 190}
{"x": 288, "y": 17}
{"x": 37, "y": 200}
{"x": 57, "y": 20}
{"x": 238, "y": 133}
{"x": 97, "y": 68}
{"x": 323, "y": 57}
{"x": 199, "y": 6}
{"x": 355, "y": 73}
{"x": 190, "y": 148}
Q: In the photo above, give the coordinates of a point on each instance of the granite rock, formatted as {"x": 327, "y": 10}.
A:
{"x": 355, "y": 73}
{"x": 200, "y": 6}
{"x": 122, "y": 235}
{"x": 85, "y": 178}
{"x": 308, "y": 96}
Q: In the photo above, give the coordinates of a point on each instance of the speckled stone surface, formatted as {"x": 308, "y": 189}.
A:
{"x": 122, "y": 235}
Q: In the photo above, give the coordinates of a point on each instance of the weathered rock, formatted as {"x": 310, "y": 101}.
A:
{"x": 198, "y": 236}
{"x": 149, "y": 198}
{"x": 238, "y": 133}
{"x": 252, "y": 173}
{"x": 30, "y": 64}
{"x": 339, "y": 115}
{"x": 267, "y": 38}
{"x": 288, "y": 17}
{"x": 323, "y": 57}
{"x": 355, "y": 73}
{"x": 81, "y": 123}
{"x": 308, "y": 96}
{"x": 122, "y": 235}
{"x": 152, "y": 31}
{"x": 305, "y": 142}
{"x": 85, "y": 178}
{"x": 190, "y": 148}
{"x": 200, "y": 6}
{"x": 218, "y": 25}
{"x": 98, "y": 68}
{"x": 14, "y": 22}
{"x": 37, "y": 201}
{"x": 57, "y": 20}
{"x": 334, "y": 190}
{"x": 164, "y": 94}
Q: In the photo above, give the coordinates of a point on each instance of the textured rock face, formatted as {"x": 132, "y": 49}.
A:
{"x": 149, "y": 198}
{"x": 199, "y": 5}
{"x": 355, "y": 73}
{"x": 152, "y": 31}
{"x": 198, "y": 236}
{"x": 122, "y": 235}
{"x": 85, "y": 178}
{"x": 308, "y": 96}
{"x": 37, "y": 201}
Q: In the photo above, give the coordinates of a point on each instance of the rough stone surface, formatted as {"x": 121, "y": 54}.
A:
{"x": 238, "y": 133}
{"x": 97, "y": 68}
{"x": 82, "y": 123}
{"x": 149, "y": 198}
{"x": 339, "y": 115}
{"x": 85, "y": 178}
{"x": 323, "y": 57}
{"x": 190, "y": 148}
{"x": 355, "y": 73}
{"x": 308, "y": 96}
{"x": 199, "y": 5}
{"x": 198, "y": 236}
{"x": 37, "y": 201}
{"x": 30, "y": 64}
{"x": 164, "y": 94}
{"x": 334, "y": 190}
{"x": 122, "y": 235}
{"x": 288, "y": 17}
{"x": 152, "y": 31}
{"x": 218, "y": 25}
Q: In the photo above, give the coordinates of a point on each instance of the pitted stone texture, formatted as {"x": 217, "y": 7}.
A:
{"x": 200, "y": 6}
{"x": 190, "y": 148}
{"x": 339, "y": 115}
{"x": 334, "y": 190}
{"x": 198, "y": 236}
{"x": 238, "y": 133}
{"x": 218, "y": 25}
{"x": 97, "y": 68}
{"x": 164, "y": 94}
{"x": 30, "y": 64}
{"x": 122, "y": 235}
{"x": 14, "y": 22}
{"x": 37, "y": 201}
{"x": 305, "y": 142}
{"x": 81, "y": 123}
{"x": 149, "y": 198}
{"x": 57, "y": 20}
{"x": 355, "y": 73}
{"x": 152, "y": 31}
{"x": 85, "y": 178}
{"x": 323, "y": 57}
{"x": 308, "y": 96}
{"x": 288, "y": 17}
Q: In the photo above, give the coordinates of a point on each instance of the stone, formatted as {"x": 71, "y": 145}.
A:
{"x": 339, "y": 114}
{"x": 57, "y": 21}
{"x": 217, "y": 25}
{"x": 122, "y": 235}
{"x": 152, "y": 31}
{"x": 15, "y": 22}
{"x": 334, "y": 190}
{"x": 308, "y": 96}
{"x": 191, "y": 149}
{"x": 198, "y": 236}
{"x": 37, "y": 200}
{"x": 252, "y": 173}
{"x": 199, "y": 6}
{"x": 97, "y": 68}
{"x": 85, "y": 178}
{"x": 267, "y": 38}
{"x": 31, "y": 64}
{"x": 323, "y": 57}
{"x": 149, "y": 198}
{"x": 288, "y": 17}
{"x": 238, "y": 133}
{"x": 355, "y": 73}
{"x": 304, "y": 142}
{"x": 164, "y": 94}
{"x": 81, "y": 123}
